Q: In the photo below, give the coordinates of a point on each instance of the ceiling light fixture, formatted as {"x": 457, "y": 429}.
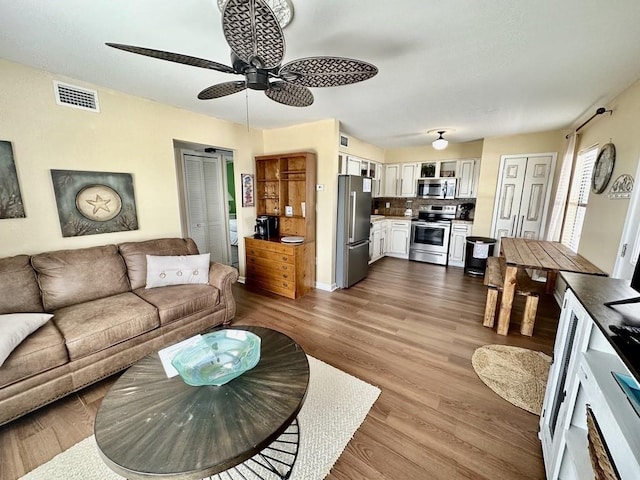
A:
{"x": 440, "y": 143}
{"x": 282, "y": 9}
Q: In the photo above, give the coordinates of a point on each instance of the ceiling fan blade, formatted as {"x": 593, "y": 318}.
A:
{"x": 222, "y": 90}
{"x": 174, "y": 57}
{"x": 326, "y": 71}
{"x": 253, "y": 33}
{"x": 289, "y": 94}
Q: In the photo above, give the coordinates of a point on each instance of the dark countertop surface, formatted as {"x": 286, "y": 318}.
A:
{"x": 592, "y": 292}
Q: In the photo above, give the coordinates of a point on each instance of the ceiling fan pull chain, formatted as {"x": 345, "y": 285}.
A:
{"x": 246, "y": 96}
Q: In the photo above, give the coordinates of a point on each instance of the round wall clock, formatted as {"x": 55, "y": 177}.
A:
{"x": 603, "y": 168}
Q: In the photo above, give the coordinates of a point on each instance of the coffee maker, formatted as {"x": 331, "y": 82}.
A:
{"x": 465, "y": 210}
{"x": 266, "y": 227}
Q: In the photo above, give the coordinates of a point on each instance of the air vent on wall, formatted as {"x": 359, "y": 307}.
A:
{"x": 76, "y": 97}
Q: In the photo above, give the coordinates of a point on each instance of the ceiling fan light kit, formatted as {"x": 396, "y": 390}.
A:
{"x": 440, "y": 143}
{"x": 253, "y": 30}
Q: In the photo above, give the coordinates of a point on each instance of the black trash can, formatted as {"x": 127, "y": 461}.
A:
{"x": 478, "y": 249}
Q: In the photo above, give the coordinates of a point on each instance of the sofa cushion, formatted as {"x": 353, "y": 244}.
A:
{"x": 15, "y": 327}
{"x": 135, "y": 255}
{"x": 69, "y": 277}
{"x": 177, "y": 270}
{"x": 178, "y": 301}
{"x": 19, "y": 290}
{"x": 93, "y": 326}
{"x": 41, "y": 351}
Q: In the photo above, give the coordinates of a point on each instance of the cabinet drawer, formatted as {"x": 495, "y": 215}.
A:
{"x": 253, "y": 244}
{"x": 260, "y": 257}
{"x": 282, "y": 287}
{"x": 275, "y": 271}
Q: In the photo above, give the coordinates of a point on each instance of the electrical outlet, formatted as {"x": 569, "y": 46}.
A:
{"x": 320, "y": 187}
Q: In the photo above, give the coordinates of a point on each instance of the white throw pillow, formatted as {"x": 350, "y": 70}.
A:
{"x": 15, "y": 327}
{"x": 177, "y": 270}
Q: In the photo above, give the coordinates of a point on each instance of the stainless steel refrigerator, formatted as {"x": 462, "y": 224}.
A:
{"x": 354, "y": 223}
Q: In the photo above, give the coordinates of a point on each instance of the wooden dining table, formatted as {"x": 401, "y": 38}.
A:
{"x": 550, "y": 257}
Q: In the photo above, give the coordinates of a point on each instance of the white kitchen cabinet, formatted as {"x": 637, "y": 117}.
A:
{"x": 350, "y": 165}
{"x": 408, "y": 179}
{"x": 457, "y": 245}
{"x": 398, "y": 240}
{"x": 400, "y": 179}
{"x": 377, "y": 241}
{"x": 392, "y": 180}
{"x": 581, "y": 376}
{"x": 467, "y": 172}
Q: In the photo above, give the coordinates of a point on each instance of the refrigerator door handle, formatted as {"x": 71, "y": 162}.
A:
{"x": 359, "y": 245}
{"x": 352, "y": 226}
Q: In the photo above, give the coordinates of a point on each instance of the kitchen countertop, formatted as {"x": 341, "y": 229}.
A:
{"x": 377, "y": 218}
{"x": 592, "y": 292}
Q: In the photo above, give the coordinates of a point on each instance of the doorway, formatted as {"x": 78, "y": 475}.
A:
{"x": 207, "y": 205}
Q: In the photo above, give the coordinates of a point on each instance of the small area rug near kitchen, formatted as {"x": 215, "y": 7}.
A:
{"x": 336, "y": 405}
{"x": 516, "y": 374}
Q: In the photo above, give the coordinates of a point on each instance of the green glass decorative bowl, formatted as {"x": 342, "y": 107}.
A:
{"x": 218, "y": 357}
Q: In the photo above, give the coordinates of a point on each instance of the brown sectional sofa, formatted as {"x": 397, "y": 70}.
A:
{"x": 104, "y": 318}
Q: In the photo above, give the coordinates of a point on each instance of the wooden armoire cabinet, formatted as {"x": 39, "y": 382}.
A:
{"x": 285, "y": 187}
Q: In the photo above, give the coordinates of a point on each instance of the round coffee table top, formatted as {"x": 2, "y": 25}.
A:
{"x": 152, "y": 426}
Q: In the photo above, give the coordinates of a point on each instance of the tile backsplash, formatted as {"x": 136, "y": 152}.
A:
{"x": 397, "y": 206}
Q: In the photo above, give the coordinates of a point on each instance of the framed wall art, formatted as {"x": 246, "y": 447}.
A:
{"x": 90, "y": 203}
{"x": 248, "y": 190}
{"x": 10, "y": 197}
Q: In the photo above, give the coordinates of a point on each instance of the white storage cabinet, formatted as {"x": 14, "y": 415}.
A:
{"x": 458, "y": 244}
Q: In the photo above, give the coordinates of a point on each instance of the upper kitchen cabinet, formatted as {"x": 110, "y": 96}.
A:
{"x": 350, "y": 165}
{"x": 467, "y": 172}
{"x": 400, "y": 179}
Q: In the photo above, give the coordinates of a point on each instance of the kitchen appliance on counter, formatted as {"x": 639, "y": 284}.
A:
{"x": 464, "y": 210}
{"x": 437, "y": 187}
{"x": 266, "y": 227}
{"x": 354, "y": 222}
{"x": 430, "y": 234}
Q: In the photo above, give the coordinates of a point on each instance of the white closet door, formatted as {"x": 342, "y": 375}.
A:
{"x": 523, "y": 196}
{"x": 204, "y": 192}
{"x": 510, "y": 196}
{"x": 532, "y": 207}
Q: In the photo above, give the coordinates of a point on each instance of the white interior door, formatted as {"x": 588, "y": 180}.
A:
{"x": 206, "y": 205}
{"x": 534, "y": 195}
{"x": 509, "y": 196}
{"x": 522, "y": 196}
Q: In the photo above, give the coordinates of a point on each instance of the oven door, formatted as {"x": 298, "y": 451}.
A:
{"x": 429, "y": 242}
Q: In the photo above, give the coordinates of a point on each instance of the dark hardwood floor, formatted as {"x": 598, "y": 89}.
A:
{"x": 409, "y": 328}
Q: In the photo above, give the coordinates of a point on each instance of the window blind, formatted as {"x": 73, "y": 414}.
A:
{"x": 578, "y": 198}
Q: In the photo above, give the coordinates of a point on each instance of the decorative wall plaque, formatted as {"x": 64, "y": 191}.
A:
{"x": 94, "y": 202}
{"x": 10, "y": 198}
{"x": 622, "y": 187}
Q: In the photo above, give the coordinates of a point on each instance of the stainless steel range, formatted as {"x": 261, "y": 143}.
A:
{"x": 430, "y": 234}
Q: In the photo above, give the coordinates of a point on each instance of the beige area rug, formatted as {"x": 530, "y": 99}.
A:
{"x": 336, "y": 405}
{"x": 516, "y": 374}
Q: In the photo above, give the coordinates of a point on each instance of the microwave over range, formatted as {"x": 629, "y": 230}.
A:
{"x": 437, "y": 187}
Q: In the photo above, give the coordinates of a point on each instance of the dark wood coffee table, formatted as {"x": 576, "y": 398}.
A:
{"x": 151, "y": 426}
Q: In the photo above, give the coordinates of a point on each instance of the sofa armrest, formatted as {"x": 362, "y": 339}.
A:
{"x": 223, "y": 276}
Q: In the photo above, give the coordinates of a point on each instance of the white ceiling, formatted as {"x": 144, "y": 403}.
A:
{"x": 483, "y": 68}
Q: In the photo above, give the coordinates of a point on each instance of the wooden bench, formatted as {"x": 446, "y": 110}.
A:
{"x": 494, "y": 280}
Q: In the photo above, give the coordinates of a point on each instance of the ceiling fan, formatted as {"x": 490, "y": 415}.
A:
{"x": 257, "y": 50}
